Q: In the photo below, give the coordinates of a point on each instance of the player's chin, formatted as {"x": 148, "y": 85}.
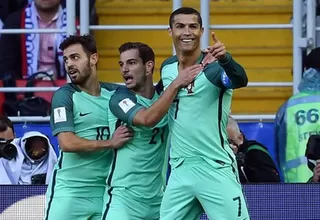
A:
{"x": 187, "y": 48}
{"x": 77, "y": 80}
{"x": 130, "y": 85}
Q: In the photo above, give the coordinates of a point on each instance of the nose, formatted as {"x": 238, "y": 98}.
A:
{"x": 69, "y": 64}
{"x": 124, "y": 68}
{"x": 186, "y": 31}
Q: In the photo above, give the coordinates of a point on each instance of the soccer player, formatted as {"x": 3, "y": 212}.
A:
{"x": 136, "y": 180}
{"x": 80, "y": 120}
{"x": 203, "y": 170}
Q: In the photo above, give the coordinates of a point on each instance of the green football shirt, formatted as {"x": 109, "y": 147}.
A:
{"x": 139, "y": 165}
{"x": 198, "y": 117}
{"x": 81, "y": 174}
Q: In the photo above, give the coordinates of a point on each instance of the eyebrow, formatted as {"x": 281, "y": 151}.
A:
{"x": 73, "y": 54}
{"x": 132, "y": 59}
{"x": 186, "y": 23}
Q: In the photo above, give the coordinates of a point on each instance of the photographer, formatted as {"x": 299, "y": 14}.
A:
{"x": 26, "y": 160}
{"x": 254, "y": 162}
{"x": 313, "y": 156}
{"x": 6, "y": 128}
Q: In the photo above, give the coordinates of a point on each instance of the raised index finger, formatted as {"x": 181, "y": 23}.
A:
{"x": 214, "y": 37}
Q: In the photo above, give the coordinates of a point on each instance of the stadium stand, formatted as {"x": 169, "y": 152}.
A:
{"x": 266, "y": 54}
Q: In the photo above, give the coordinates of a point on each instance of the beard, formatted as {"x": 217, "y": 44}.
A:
{"x": 83, "y": 75}
{"x": 139, "y": 84}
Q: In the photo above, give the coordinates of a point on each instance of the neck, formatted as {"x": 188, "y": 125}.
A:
{"x": 47, "y": 16}
{"x": 147, "y": 90}
{"x": 91, "y": 86}
{"x": 188, "y": 59}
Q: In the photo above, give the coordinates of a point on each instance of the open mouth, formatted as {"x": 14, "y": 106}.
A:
{"x": 128, "y": 79}
{"x": 73, "y": 72}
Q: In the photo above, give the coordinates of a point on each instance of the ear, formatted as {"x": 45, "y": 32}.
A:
{"x": 241, "y": 137}
{"x": 202, "y": 30}
{"x": 149, "y": 67}
{"x": 94, "y": 59}
{"x": 170, "y": 31}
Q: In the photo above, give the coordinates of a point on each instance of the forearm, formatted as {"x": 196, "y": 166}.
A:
{"x": 77, "y": 144}
{"x": 234, "y": 71}
{"x": 152, "y": 115}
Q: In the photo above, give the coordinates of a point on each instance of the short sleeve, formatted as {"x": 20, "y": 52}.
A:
{"x": 61, "y": 119}
{"x": 123, "y": 104}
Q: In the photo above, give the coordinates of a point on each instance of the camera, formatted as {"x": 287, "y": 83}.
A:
{"x": 7, "y": 150}
{"x": 313, "y": 148}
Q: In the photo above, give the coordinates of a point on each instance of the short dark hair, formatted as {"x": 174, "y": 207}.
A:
{"x": 87, "y": 42}
{"x": 145, "y": 52}
{"x": 312, "y": 60}
{"x": 5, "y": 123}
{"x": 185, "y": 11}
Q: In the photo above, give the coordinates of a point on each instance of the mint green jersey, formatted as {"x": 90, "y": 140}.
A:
{"x": 199, "y": 115}
{"x": 138, "y": 166}
{"x": 81, "y": 174}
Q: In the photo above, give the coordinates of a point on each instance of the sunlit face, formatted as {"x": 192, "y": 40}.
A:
{"x": 47, "y": 5}
{"x": 133, "y": 70}
{"x": 186, "y": 32}
{"x": 77, "y": 63}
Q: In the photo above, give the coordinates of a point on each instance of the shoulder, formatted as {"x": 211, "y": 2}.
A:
{"x": 67, "y": 89}
{"x": 168, "y": 61}
{"x": 65, "y": 92}
{"x": 257, "y": 148}
{"x": 122, "y": 94}
{"x": 13, "y": 20}
{"x": 111, "y": 86}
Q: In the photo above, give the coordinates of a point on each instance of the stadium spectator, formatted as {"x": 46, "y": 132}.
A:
{"x": 254, "y": 161}
{"x": 296, "y": 120}
{"x": 316, "y": 173}
{"x": 9, "y": 6}
{"x": 33, "y": 163}
{"x": 6, "y": 128}
{"x": 22, "y": 55}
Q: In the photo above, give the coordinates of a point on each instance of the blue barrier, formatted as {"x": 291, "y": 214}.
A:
{"x": 262, "y": 132}
{"x": 265, "y": 202}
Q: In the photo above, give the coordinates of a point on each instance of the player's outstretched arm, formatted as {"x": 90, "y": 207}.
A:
{"x": 69, "y": 142}
{"x": 125, "y": 107}
{"x": 234, "y": 71}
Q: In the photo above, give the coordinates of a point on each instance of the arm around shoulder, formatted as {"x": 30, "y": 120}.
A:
{"x": 69, "y": 142}
{"x": 124, "y": 106}
{"x": 152, "y": 116}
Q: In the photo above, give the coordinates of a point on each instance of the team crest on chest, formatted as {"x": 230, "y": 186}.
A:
{"x": 190, "y": 88}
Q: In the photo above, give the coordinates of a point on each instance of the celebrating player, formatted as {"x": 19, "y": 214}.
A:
{"x": 136, "y": 180}
{"x": 203, "y": 175}
{"x": 80, "y": 121}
